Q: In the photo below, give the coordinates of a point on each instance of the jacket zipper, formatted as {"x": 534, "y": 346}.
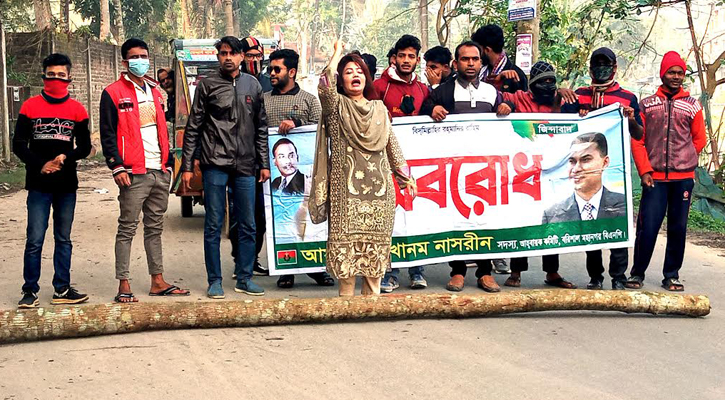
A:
{"x": 667, "y": 150}
{"x": 235, "y": 133}
{"x": 123, "y": 148}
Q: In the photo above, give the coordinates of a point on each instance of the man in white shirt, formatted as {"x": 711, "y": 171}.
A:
{"x": 591, "y": 200}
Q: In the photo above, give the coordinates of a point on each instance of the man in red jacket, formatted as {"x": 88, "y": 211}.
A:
{"x": 399, "y": 87}
{"x": 666, "y": 157}
{"x": 136, "y": 146}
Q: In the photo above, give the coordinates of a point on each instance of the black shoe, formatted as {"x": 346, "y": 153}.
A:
{"x": 286, "y": 281}
{"x": 29, "y": 300}
{"x": 322, "y": 278}
{"x": 259, "y": 271}
{"x": 595, "y": 284}
{"x": 69, "y": 295}
{"x": 618, "y": 285}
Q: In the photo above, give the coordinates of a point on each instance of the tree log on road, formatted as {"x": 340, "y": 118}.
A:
{"x": 106, "y": 319}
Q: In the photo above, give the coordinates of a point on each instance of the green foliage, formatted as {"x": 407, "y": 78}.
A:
{"x": 701, "y": 222}
{"x": 250, "y": 12}
{"x": 141, "y": 18}
{"x": 16, "y": 76}
{"x": 382, "y": 33}
{"x": 15, "y": 16}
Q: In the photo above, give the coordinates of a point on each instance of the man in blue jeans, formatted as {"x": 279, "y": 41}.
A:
{"x": 228, "y": 122}
{"x": 51, "y": 135}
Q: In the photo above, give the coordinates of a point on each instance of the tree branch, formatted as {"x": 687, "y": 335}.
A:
{"x": 644, "y": 42}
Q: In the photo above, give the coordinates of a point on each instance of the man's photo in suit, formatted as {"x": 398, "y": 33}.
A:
{"x": 292, "y": 181}
{"x": 591, "y": 200}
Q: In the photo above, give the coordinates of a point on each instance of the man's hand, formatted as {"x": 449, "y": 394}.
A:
{"x": 186, "y": 178}
{"x": 583, "y": 112}
{"x": 286, "y": 126}
{"x": 122, "y": 180}
{"x": 508, "y": 74}
{"x": 568, "y": 95}
{"x": 263, "y": 175}
{"x": 53, "y": 165}
{"x": 439, "y": 113}
{"x": 647, "y": 180}
{"x": 503, "y": 110}
{"x": 629, "y": 113}
{"x": 433, "y": 77}
{"x": 411, "y": 191}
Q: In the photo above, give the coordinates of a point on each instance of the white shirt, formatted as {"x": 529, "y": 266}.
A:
{"x": 149, "y": 132}
{"x": 594, "y": 201}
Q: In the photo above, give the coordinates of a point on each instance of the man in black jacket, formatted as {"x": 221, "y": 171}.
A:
{"x": 496, "y": 63}
{"x": 229, "y": 122}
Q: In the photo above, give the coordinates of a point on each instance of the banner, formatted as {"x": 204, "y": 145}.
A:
{"x": 524, "y": 52}
{"x": 521, "y": 10}
{"x": 488, "y": 187}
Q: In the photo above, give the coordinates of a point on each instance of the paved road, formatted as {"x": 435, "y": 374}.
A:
{"x": 564, "y": 355}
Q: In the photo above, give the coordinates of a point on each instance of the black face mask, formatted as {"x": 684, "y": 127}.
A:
{"x": 406, "y": 105}
{"x": 602, "y": 73}
{"x": 544, "y": 92}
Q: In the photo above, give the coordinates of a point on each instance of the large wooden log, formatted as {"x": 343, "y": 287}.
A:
{"x": 106, "y": 319}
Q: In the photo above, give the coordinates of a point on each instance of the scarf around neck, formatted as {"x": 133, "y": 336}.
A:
{"x": 599, "y": 90}
{"x": 486, "y": 70}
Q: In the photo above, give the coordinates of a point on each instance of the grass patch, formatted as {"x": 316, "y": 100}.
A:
{"x": 704, "y": 223}
{"x": 13, "y": 176}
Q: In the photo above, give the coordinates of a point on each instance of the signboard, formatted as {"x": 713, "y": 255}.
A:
{"x": 524, "y": 52}
{"x": 203, "y": 54}
{"x": 488, "y": 187}
{"x": 521, "y": 10}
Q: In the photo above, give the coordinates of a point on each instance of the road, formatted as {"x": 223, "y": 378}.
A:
{"x": 562, "y": 355}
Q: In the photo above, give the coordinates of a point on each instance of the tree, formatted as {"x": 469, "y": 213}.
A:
{"x": 118, "y": 21}
{"x": 145, "y": 19}
{"x": 104, "y": 31}
{"x": 228, "y": 18}
{"x": 43, "y": 15}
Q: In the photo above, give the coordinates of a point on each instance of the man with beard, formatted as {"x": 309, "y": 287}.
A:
{"x": 229, "y": 122}
{"x": 288, "y": 107}
{"x": 399, "y": 87}
{"x": 604, "y": 91}
{"x": 467, "y": 94}
{"x": 403, "y": 94}
{"x": 542, "y": 97}
{"x": 498, "y": 70}
{"x": 166, "y": 81}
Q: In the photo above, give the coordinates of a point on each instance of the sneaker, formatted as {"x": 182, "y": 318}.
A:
{"x": 249, "y": 288}
{"x": 417, "y": 281}
{"x": 215, "y": 291}
{"x": 389, "y": 284}
{"x": 500, "y": 266}
{"x": 259, "y": 270}
{"x": 618, "y": 284}
{"x": 68, "y": 296}
{"x": 595, "y": 284}
{"x": 29, "y": 300}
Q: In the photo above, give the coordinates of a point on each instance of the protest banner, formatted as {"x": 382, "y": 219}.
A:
{"x": 488, "y": 187}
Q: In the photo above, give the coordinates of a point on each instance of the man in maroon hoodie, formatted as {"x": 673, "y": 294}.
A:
{"x": 403, "y": 95}
{"x": 399, "y": 87}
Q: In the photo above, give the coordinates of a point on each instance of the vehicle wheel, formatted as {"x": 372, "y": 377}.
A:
{"x": 187, "y": 206}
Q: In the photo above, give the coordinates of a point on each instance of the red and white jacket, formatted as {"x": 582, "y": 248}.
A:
{"x": 674, "y": 136}
{"x": 121, "y": 127}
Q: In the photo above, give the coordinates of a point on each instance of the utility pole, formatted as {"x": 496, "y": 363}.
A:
{"x": 531, "y": 27}
{"x": 4, "y": 117}
{"x": 423, "y": 9}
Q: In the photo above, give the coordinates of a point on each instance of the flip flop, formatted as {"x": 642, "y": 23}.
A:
{"x": 560, "y": 283}
{"x": 673, "y": 285}
{"x": 169, "y": 291}
{"x": 120, "y": 296}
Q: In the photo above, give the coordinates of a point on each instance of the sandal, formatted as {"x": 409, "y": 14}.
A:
{"x": 171, "y": 291}
{"x": 125, "y": 298}
{"x": 634, "y": 282}
{"x": 560, "y": 283}
{"x": 673, "y": 285}
{"x": 322, "y": 279}
{"x": 286, "y": 281}
{"x": 513, "y": 281}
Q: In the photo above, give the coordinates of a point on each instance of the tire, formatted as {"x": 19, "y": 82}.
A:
{"x": 187, "y": 206}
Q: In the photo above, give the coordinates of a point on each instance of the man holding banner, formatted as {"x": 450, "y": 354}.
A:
{"x": 467, "y": 94}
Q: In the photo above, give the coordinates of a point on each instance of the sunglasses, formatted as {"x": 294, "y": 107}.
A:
{"x": 275, "y": 69}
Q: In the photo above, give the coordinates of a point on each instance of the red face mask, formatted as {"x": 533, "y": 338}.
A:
{"x": 56, "y": 87}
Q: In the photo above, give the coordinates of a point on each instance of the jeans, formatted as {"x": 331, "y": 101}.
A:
{"x": 243, "y": 196}
{"x": 411, "y": 271}
{"x": 260, "y": 222}
{"x": 39, "y": 204}
{"x": 672, "y": 198}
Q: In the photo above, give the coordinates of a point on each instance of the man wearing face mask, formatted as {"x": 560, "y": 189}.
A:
{"x": 253, "y": 52}
{"x": 47, "y": 128}
{"x": 399, "y": 87}
{"x": 542, "y": 97}
{"x": 604, "y": 91}
{"x": 228, "y": 122}
{"x": 136, "y": 146}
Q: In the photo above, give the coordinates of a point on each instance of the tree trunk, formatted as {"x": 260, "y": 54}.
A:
{"x": 105, "y": 319}
{"x": 118, "y": 22}
{"x": 105, "y": 30}
{"x": 423, "y": 15}
{"x": 43, "y": 15}
{"x": 185, "y": 20}
{"x": 65, "y": 15}
{"x": 228, "y": 18}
